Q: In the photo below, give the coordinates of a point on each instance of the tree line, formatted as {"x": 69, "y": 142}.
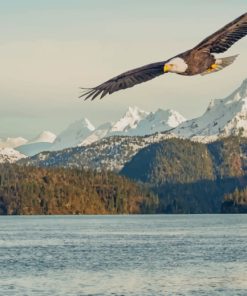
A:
{"x": 30, "y": 190}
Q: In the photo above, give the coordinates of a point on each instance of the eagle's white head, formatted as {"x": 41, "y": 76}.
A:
{"x": 176, "y": 65}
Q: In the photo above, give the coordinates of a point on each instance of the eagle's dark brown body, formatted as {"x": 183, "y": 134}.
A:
{"x": 198, "y": 60}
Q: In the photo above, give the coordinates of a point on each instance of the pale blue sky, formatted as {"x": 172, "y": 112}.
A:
{"x": 48, "y": 49}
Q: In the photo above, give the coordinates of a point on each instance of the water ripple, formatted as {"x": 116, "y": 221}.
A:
{"x": 124, "y": 255}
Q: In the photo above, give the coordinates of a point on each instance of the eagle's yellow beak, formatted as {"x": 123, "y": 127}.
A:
{"x": 167, "y": 67}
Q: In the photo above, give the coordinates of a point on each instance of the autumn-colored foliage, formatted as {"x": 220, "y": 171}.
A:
{"x": 29, "y": 190}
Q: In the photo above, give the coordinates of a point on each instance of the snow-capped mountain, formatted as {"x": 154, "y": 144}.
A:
{"x": 44, "y": 137}
{"x": 129, "y": 121}
{"x": 136, "y": 122}
{"x": 12, "y": 142}
{"x": 159, "y": 121}
{"x": 42, "y": 142}
{"x": 73, "y": 135}
{"x": 223, "y": 117}
{"x": 10, "y": 155}
{"x": 100, "y": 132}
{"x": 123, "y": 127}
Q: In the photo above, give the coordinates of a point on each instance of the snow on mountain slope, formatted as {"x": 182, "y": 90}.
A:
{"x": 10, "y": 155}
{"x": 44, "y": 137}
{"x": 42, "y": 142}
{"x": 129, "y": 121}
{"x": 73, "y": 135}
{"x": 110, "y": 153}
{"x": 82, "y": 133}
{"x": 223, "y": 117}
{"x": 136, "y": 122}
{"x": 159, "y": 121}
{"x": 99, "y": 133}
{"x": 12, "y": 142}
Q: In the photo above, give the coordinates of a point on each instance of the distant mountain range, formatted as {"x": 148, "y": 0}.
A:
{"x": 223, "y": 117}
{"x": 42, "y": 142}
{"x": 13, "y": 149}
{"x": 12, "y": 142}
{"x": 73, "y": 134}
{"x": 135, "y": 122}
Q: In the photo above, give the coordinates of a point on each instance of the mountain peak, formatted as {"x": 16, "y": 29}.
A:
{"x": 74, "y": 134}
{"x": 99, "y": 133}
{"x": 159, "y": 121}
{"x": 44, "y": 137}
{"x": 171, "y": 117}
{"x": 80, "y": 124}
{"x": 223, "y": 117}
{"x": 243, "y": 89}
{"x": 129, "y": 120}
{"x": 85, "y": 122}
{"x": 134, "y": 110}
{"x": 12, "y": 142}
{"x": 244, "y": 83}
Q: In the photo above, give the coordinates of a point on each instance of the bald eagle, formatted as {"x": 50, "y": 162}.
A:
{"x": 198, "y": 60}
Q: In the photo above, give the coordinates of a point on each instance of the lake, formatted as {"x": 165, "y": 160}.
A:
{"x": 123, "y": 255}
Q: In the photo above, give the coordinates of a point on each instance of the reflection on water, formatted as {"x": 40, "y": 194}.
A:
{"x": 124, "y": 255}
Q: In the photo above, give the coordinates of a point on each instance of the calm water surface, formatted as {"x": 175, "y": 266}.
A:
{"x": 124, "y": 255}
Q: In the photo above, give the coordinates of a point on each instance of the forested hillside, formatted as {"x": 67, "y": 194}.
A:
{"x": 191, "y": 177}
{"x": 173, "y": 176}
{"x": 29, "y": 190}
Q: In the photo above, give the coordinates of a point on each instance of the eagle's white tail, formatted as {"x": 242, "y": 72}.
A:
{"x": 224, "y": 62}
{"x": 220, "y": 64}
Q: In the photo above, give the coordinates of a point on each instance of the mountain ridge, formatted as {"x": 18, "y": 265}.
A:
{"x": 223, "y": 118}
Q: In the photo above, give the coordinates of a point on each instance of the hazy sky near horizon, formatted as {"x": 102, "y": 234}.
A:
{"x": 50, "y": 48}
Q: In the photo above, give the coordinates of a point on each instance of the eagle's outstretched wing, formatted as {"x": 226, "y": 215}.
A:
{"x": 125, "y": 80}
{"x": 224, "y": 38}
